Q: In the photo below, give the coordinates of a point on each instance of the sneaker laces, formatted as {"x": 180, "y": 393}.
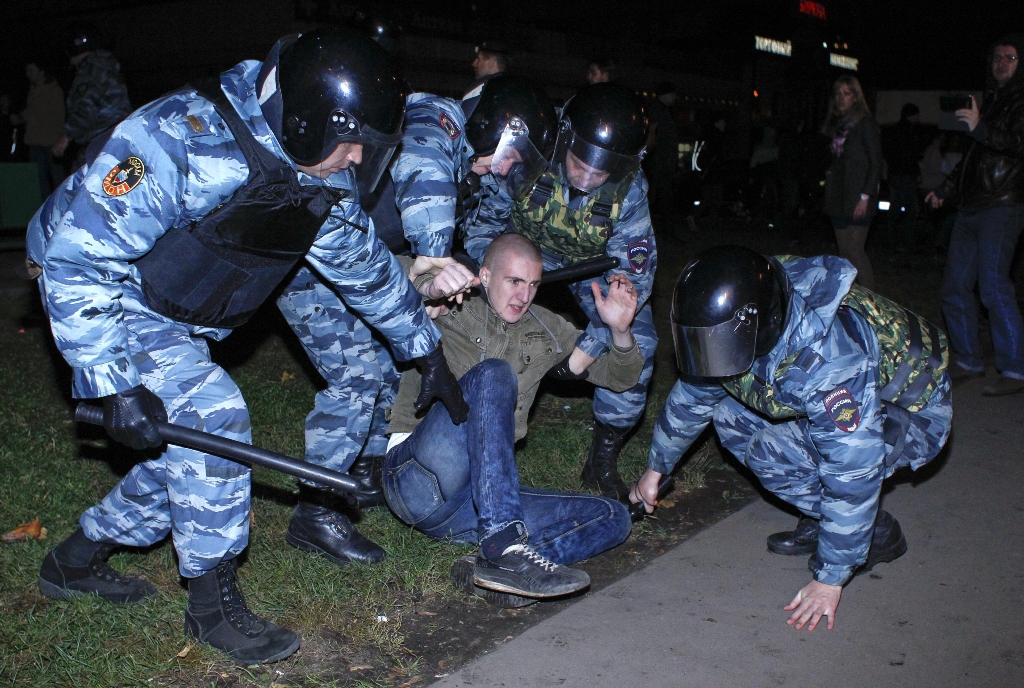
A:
{"x": 531, "y": 555}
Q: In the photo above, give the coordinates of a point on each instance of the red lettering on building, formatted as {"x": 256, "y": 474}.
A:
{"x": 814, "y": 9}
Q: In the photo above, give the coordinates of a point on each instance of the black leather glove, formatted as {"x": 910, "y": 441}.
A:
{"x": 130, "y": 417}
{"x": 563, "y": 372}
{"x": 439, "y": 382}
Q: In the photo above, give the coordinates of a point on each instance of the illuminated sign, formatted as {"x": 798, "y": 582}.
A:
{"x": 812, "y": 9}
{"x": 770, "y": 45}
{"x": 843, "y": 61}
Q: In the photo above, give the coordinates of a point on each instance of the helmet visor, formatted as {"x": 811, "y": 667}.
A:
{"x": 721, "y": 350}
{"x": 369, "y": 160}
{"x": 592, "y": 165}
{"x": 517, "y": 164}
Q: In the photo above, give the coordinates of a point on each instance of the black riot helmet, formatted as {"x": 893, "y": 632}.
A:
{"x": 82, "y": 38}
{"x": 604, "y": 126}
{"x": 728, "y": 308}
{"x": 327, "y": 87}
{"x": 514, "y": 122}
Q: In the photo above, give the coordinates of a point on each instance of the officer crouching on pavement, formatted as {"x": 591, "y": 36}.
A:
{"x": 818, "y": 386}
{"x": 194, "y": 211}
{"x": 591, "y": 201}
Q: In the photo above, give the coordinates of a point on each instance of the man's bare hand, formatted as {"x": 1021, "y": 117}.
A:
{"x": 933, "y": 200}
{"x": 812, "y": 602}
{"x": 57, "y": 150}
{"x": 618, "y": 309}
{"x": 646, "y": 490}
{"x": 424, "y": 264}
{"x": 451, "y": 283}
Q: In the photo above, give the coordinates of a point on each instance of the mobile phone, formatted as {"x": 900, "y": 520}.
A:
{"x": 953, "y": 102}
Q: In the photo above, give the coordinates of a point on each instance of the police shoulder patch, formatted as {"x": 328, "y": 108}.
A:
{"x": 125, "y": 176}
{"x": 842, "y": 408}
{"x": 639, "y": 253}
{"x": 449, "y": 125}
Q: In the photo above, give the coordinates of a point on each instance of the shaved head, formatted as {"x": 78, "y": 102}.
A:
{"x": 510, "y": 245}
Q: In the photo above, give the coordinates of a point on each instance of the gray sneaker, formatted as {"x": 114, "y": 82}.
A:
{"x": 462, "y": 579}
{"x": 521, "y": 570}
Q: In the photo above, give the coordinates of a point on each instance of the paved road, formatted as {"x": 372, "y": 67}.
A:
{"x": 709, "y": 612}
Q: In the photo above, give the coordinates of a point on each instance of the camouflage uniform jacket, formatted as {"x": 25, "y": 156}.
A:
{"x": 852, "y": 452}
{"x": 98, "y": 98}
{"x": 631, "y": 242}
{"x": 535, "y": 344}
{"x": 89, "y": 231}
{"x": 431, "y": 164}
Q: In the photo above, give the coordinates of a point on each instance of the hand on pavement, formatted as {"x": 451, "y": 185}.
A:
{"x": 812, "y": 602}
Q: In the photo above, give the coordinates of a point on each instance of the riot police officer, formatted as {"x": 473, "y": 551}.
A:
{"x": 193, "y": 212}
{"x": 591, "y": 201}
{"x": 434, "y": 177}
{"x": 820, "y": 387}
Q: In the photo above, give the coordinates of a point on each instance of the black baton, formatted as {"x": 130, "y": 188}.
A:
{"x": 236, "y": 451}
{"x": 591, "y": 267}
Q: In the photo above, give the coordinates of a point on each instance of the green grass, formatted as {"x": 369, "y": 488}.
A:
{"x": 52, "y": 469}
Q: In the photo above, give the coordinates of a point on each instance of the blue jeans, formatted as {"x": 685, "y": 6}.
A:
{"x": 460, "y": 482}
{"x": 981, "y": 251}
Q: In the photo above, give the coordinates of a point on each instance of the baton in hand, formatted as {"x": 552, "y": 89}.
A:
{"x": 237, "y": 451}
{"x": 637, "y": 512}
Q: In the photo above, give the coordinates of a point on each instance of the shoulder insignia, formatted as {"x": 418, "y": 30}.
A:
{"x": 450, "y": 126}
{"x": 639, "y": 253}
{"x": 125, "y": 176}
{"x": 842, "y": 409}
{"x": 196, "y": 125}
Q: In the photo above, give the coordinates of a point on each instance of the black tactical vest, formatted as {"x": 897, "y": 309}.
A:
{"x": 217, "y": 271}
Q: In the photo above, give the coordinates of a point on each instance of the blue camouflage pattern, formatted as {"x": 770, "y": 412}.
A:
{"x": 97, "y": 99}
{"x": 362, "y": 381}
{"x": 85, "y": 241}
{"x": 348, "y": 416}
{"x": 631, "y": 232}
{"x": 829, "y": 469}
{"x": 430, "y": 165}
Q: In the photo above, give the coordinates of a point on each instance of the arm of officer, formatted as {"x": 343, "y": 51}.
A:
{"x": 688, "y": 410}
{"x": 88, "y": 255}
{"x": 425, "y": 175}
{"x": 845, "y": 426}
{"x": 372, "y": 282}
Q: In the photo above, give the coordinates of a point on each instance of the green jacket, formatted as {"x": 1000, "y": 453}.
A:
{"x": 537, "y": 343}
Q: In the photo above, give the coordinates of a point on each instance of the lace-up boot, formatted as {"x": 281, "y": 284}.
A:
{"x": 601, "y": 472}
{"x": 218, "y": 616}
{"x": 78, "y": 566}
{"x": 521, "y": 570}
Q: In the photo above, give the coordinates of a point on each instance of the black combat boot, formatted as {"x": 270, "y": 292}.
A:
{"x": 887, "y": 544}
{"x": 367, "y": 470}
{"x": 802, "y": 540}
{"x": 217, "y": 615}
{"x": 78, "y": 567}
{"x": 601, "y": 471}
{"x": 317, "y": 527}
{"x": 462, "y": 578}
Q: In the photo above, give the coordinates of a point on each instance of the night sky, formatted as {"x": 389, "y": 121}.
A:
{"x": 915, "y": 44}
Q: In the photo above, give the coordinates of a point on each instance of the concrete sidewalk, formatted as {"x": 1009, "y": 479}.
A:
{"x": 709, "y": 613}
